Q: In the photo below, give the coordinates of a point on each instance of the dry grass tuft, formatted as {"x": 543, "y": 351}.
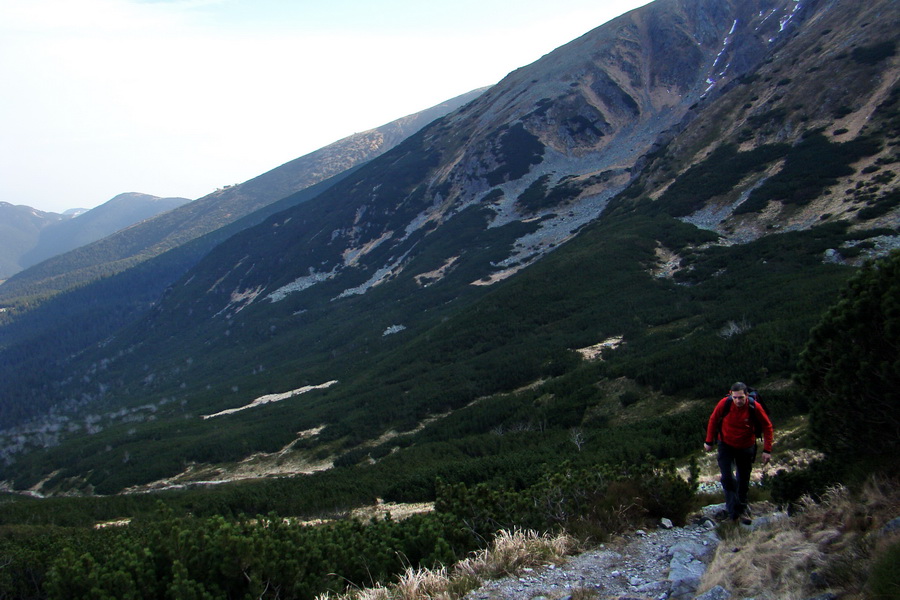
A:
{"x": 777, "y": 559}
{"x": 513, "y": 551}
{"x": 509, "y": 553}
{"x": 413, "y": 584}
{"x": 422, "y": 583}
{"x": 829, "y": 545}
{"x": 583, "y": 593}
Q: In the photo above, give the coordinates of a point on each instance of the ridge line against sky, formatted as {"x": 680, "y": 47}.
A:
{"x": 181, "y": 97}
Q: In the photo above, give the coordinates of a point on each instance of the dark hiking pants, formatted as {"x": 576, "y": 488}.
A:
{"x": 737, "y": 484}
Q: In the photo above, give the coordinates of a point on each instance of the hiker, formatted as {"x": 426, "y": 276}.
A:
{"x": 736, "y": 422}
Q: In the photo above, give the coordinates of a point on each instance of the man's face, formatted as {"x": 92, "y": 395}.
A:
{"x": 740, "y": 397}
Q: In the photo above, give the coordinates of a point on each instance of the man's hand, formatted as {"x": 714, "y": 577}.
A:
{"x": 707, "y": 447}
{"x": 766, "y": 457}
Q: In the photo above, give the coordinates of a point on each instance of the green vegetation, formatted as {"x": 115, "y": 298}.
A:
{"x": 884, "y": 583}
{"x": 164, "y": 555}
{"x": 537, "y": 197}
{"x": 851, "y": 363}
{"x": 534, "y": 195}
{"x": 812, "y": 166}
{"x": 265, "y": 557}
{"x": 596, "y": 287}
{"x": 481, "y": 402}
{"x": 566, "y": 443}
{"x": 519, "y": 150}
{"x": 41, "y": 325}
{"x": 875, "y": 53}
{"x": 587, "y": 502}
{"x": 716, "y": 175}
{"x": 847, "y": 371}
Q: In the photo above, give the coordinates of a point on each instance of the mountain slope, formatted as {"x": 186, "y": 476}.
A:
{"x": 39, "y": 336}
{"x": 31, "y": 236}
{"x": 565, "y": 132}
{"x": 605, "y": 195}
{"x": 544, "y": 149}
{"x": 215, "y": 210}
{"x": 118, "y": 213}
{"x": 20, "y": 227}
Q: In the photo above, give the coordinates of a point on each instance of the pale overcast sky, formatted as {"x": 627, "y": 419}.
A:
{"x": 180, "y": 97}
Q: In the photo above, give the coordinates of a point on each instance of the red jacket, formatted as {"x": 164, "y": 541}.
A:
{"x": 738, "y": 429}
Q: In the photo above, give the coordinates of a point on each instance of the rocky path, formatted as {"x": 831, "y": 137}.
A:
{"x": 663, "y": 564}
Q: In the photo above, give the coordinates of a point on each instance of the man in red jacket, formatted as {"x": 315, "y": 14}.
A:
{"x": 733, "y": 425}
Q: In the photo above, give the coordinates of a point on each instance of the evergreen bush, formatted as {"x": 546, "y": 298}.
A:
{"x": 850, "y": 365}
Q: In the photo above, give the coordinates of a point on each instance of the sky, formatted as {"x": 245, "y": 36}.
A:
{"x": 182, "y": 97}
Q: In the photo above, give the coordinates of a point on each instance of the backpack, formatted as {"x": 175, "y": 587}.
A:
{"x": 752, "y": 402}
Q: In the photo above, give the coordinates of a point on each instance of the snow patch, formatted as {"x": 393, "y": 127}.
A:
{"x": 302, "y": 283}
{"x": 713, "y": 79}
{"x": 273, "y": 398}
{"x": 787, "y": 19}
{"x": 380, "y": 276}
{"x": 596, "y": 351}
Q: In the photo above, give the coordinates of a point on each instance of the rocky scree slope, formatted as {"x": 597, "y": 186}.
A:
{"x": 837, "y": 75}
{"x": 665, "y": 563}
{"x": 546, "y": 148}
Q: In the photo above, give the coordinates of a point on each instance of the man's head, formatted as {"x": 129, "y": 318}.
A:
{"x": 739, "y": 393}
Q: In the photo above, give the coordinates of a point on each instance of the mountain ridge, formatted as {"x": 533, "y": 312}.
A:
{"x": 21, "y": 226}
{"x": 49, "y": 234}
{"x": 122, "y": 211}
{"x": 218, "y": 208}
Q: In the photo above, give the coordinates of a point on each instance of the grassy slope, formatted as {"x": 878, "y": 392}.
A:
{"x": 598, "y": 286}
